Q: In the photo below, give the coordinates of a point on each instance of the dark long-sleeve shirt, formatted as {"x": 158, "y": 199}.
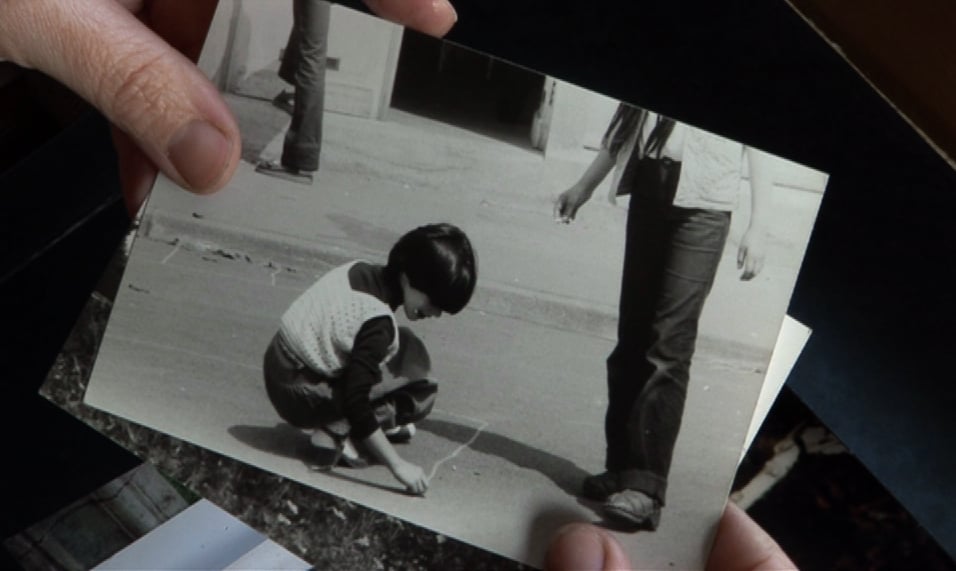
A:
{"x": 370, "y": 348}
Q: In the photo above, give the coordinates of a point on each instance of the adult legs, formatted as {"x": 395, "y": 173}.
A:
{"x": 640, "y": 286}
{"x": 304, "y": 67}
{"x": 648, "y": 371}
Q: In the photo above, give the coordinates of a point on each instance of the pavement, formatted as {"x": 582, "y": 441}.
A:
{"x": 520, "y": 411}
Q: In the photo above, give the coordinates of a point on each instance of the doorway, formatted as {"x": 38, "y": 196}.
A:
{"x": 462, "y": 87}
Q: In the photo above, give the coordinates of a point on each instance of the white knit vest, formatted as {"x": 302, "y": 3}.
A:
{"x": 320, "y": 326}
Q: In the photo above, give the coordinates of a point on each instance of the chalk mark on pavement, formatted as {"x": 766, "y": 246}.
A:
{"x": 483, "y": 425}
{"x": 220, "y": 275}
{"x": 171, "y": 254}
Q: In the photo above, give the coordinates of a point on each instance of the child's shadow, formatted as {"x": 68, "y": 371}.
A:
{"x": 286, "y": 441}
{"x": 564, "y": 473}
{"x": 281, "y": 440}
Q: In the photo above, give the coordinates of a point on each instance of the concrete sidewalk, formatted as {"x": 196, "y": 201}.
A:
{"x": 379, "y": 179}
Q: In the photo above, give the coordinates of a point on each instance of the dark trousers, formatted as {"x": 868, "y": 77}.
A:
{"x": 303, "y": 66}
{"x": 670, "y": 260}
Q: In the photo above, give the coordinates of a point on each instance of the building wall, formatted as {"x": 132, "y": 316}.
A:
{"x": 246, "y": 38}
{"x": 578, "y": 118}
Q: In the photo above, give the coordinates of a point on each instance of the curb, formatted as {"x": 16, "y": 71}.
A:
{"x": 496, "y": 298}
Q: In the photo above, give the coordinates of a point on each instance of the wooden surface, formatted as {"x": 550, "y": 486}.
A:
{"x": 905, "y": 50}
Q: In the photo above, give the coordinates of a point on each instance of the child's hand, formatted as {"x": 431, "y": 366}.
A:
{"x": 412, "y": 476}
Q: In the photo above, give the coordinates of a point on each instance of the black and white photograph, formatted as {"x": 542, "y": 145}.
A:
{"x": 461, "y": 292}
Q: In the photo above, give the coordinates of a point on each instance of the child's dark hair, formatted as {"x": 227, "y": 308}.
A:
{"x": 438, "y": 261}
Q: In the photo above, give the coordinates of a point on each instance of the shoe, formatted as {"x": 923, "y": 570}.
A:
{"x": 601, "y": 486}
{"x": 274, "y": 169}
{"x": 319, "y": 458}
{"x": 633, "y": 508}
{"x": 400, "y": 434}
{"x": 284, "y": 101}
{"x": 351, "y": 457}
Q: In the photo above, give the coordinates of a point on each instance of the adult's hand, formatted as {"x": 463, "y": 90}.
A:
{"x": 584, "y": 547}
{"x": 740, "y": 545}
{"x": 568, "y": 203}
{"x": 751, "y": 253}
{"x": 133, "y": 60}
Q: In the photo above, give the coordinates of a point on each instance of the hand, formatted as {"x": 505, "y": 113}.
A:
{"x": 751, "y": 253}
{"x": 740, "y": 545}
{"x": 411, "y": 476}
{"x": 584, "y": 547}
{"x": 567, "y": 204}
{"x": 132, "y": 60}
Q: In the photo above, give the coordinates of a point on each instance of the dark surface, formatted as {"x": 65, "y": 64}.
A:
{"x": 828, "y": 512}
{"x": 60, "y": 221}
{"x": 877, "y": 287}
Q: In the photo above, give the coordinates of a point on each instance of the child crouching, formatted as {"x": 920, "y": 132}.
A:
{"x": 323, "y": 369}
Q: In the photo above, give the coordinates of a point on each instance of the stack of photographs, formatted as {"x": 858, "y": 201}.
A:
{"x": 415, "y": 131}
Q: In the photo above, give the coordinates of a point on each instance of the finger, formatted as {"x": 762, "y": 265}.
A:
{"x": 581, "y": 546}
{"x": 747, "y": 269}
{"x": 136, "y": 172}
{"x": 558, "y": 210}
{"x": 563, "y": 211}
{"x": 741, "y": 256}
{"x": 419, "y": 488}
{"x": 752, "y": 267}
{"x": 144, "y": 86}
{"x": 432, "y": 17}
{"x": 742, "y": 545}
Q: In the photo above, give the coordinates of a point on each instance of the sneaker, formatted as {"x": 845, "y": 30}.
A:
{"x": 351, "y": 457}
{"x": 319, "y": 458}
{"x": 278, "y": 170}
{"x": 400, "y": 434}
{"x": 284, "y": 101}
{"x": 634, "y": 509}
{"x": 601, "y": 486}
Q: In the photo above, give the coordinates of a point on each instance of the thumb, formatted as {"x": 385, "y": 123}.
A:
{"x": 147, "y": 89}
{"x": 580, "y": 547}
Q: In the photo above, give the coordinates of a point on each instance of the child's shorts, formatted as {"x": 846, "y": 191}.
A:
{"x": 302, "y": 397}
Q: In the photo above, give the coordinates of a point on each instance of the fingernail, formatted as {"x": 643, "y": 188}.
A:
{"x": 199, "y": 152}
{"x": 445, "y": 6}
